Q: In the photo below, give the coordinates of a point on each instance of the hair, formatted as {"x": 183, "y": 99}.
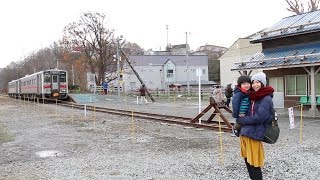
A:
{"x": 243, "y": 79}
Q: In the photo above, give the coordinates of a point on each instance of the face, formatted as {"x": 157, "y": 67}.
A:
{"x": 256, "y": 85}
{"x": 245, "y": 86}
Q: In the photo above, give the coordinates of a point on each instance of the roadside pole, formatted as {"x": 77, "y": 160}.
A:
{"x": 199, "y": 74}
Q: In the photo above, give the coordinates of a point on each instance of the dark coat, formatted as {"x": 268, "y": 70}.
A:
{"x": 253, "y": 125}
{"x": 228, "y": 92}
{"x": 236, "y": 101}
{"x": 142, "y": 91}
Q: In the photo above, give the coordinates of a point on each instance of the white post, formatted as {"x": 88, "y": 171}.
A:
{"x": 188, "y": 82}
{"x": 85, "y": 110}
{"x": 313, "y": 90}
{"x": 199, "y": 85}
{"x": 137, "y": 99}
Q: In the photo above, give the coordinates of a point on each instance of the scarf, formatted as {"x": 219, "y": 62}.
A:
{"x": 243, "y": 90}
{"x": 262, "y": 92}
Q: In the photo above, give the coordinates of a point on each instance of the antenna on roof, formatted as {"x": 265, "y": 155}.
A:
{"x": 167, "y": 27}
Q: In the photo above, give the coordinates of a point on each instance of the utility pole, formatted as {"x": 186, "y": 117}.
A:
{"x": 72, "y": 75}
{"x": 118, "y": 66}
{"x": 167, "y": 27}
{"x": 188, "y": 83}
{"x": 55, "y": 53}
{"x": 136, "y": 73}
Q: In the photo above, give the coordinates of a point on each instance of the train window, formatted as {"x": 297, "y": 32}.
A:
{"x": 54, "y": 79}
{"x": 47, "y": 79}
{"x": 63, "y": 78}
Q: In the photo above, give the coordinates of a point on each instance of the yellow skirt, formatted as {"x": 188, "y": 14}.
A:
{"x": 252, "y": 150}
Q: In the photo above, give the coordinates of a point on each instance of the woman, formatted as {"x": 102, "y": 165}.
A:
{"x": 253, "y": 125}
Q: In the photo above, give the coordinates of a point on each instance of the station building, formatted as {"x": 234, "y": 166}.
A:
{"x": 290, "y": 57}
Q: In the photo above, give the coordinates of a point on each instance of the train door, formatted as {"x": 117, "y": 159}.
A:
{"x": 55, "y": 84}
{"x": 39, "y": 84}
{"x": 17, "y": 90}
{"x": 19, "y": 87}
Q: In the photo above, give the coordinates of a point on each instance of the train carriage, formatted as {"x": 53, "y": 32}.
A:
{"x": 13, "y": 88}
{"x": 52, "y": 83}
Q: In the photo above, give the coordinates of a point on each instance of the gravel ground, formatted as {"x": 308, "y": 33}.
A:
{"x": 50, "y": 142}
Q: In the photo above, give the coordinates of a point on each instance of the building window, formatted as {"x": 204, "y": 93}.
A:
{"x": 296, "y": 85}
{"x": 203, "y": 71}
{"x": 276, "y": 83}
{"x": 169, "y": 73}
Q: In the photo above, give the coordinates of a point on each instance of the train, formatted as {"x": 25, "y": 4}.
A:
{"x": 46, "y": 84}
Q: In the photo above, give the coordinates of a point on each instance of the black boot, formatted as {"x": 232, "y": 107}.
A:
{"x": 249, "y": 168}
{"x": 256, "y": 173}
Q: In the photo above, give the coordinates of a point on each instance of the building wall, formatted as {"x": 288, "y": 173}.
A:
{"x": 151, "y": 75}
{"x": 155, "y": 76}
{"x": 239, "y": 51}
{"x": 182, "y": 73}
{"x": 289, "y": 101}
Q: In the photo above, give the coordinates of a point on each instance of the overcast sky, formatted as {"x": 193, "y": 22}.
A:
{"x": 29, "y": 25}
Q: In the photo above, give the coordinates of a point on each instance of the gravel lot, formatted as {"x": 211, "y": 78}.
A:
{"x": 50, "y": 142}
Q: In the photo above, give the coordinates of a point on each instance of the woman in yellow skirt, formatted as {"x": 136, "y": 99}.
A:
{"x": 253, "y": 125}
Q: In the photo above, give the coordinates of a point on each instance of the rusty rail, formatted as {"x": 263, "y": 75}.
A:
{"x": 213, "y": 125}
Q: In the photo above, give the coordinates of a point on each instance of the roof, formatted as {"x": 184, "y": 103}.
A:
{"x": 290, "y": 26}
{"x": 178, "y": 60}
{"x": 179, "y": 46}
{"x": 283, "y": 57}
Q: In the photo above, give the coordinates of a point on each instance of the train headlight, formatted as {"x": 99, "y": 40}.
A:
{"x": 63, "y": 90}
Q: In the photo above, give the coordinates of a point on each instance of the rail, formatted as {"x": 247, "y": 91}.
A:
{"x": 213, "y": 125}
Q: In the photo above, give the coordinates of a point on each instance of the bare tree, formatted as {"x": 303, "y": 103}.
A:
{"x": 132, "y": 49}
{"x": 91, "y": 36}
{"x": 297, "y": 6}
{"x": 313, "y": 5}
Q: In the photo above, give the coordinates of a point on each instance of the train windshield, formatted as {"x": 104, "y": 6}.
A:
{"x": 47, "y": 78}
{"x": 63, "y": 77}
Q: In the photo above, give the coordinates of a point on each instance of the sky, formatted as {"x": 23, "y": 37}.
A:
{"x": 27, "y": 26}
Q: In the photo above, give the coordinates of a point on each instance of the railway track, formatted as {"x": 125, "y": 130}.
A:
{"x": 213, "y": 125}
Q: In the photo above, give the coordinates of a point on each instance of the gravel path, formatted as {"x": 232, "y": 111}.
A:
{"x": 49, "y": 142}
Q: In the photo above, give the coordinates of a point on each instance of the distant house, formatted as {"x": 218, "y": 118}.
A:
{"x": 180, "y": 49}
{"x": 213, "y": 52}
{"x": 159, "y": 72}
{"x": 291, "y": 59}
{"x": 239, "y": 51}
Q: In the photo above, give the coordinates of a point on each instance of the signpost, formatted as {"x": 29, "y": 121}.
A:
{"x": 199, "y": 74}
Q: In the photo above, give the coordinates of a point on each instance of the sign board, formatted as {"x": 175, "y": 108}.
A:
{"x": 291, "y": 117}
{"x": 198, "y": 72}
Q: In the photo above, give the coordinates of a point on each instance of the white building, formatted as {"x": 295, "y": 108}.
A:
{"x": 238, "y": 52}
{"x": 160, "y": 71}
